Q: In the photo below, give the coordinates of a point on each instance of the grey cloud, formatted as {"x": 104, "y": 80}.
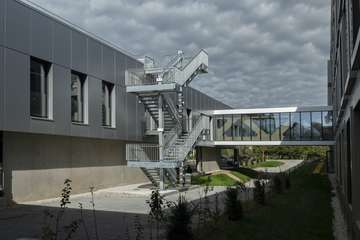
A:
{"x": 262, "y": 52}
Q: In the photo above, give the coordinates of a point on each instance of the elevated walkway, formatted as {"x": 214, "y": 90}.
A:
{"x": 289, "y": 126}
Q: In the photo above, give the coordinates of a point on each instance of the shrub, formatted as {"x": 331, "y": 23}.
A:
{"x": 277, "y": 184}
{"x": 287, "y": 181}
{"x": 179, "y": 222}
{"x": 259, "y": 192}
{"x": 233, "y": 206}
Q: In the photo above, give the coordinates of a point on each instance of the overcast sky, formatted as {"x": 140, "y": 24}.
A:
{"x": 262, "y": 53}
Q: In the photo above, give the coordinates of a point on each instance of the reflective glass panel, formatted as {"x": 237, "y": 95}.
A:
{"x": 228, "y": 128}
{"x": 295, "y": 125}
{"x": 245, "y": 128}
{"x": 237, "y": 127}
{"x": 275, "y": 126}
{"x": 285, "y": 131}
{"x": 256, "y": 127}
{"x": 219, "y": 127}
{"x": 306, "y": 126}
{"x": 316, "y": 125}
{"x": 327, "y": 126}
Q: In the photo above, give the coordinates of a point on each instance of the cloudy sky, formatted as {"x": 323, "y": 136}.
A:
{"x": 262, "y": 53}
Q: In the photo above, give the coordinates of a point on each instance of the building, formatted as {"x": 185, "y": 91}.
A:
{"x": 344, "y": 96}
{"x": 64, "y": 108}
{"x": 74, "y": 106}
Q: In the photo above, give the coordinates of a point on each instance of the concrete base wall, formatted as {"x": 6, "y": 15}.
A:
{"x": 37, "y": 165}
{"x": 210, "y": 159}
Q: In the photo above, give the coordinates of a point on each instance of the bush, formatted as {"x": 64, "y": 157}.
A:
{"x": 287, "y": 181}
{"x": 179, "y": 226}
{"x": 277, "y": 184}
{"x": 233, "y": 206}
{"x": 259, "y": 192}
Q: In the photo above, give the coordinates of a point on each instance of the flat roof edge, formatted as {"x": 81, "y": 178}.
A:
{"x": 271, "y": 110}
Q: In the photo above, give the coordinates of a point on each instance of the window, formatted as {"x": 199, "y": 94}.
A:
{"x": 285, "y": 131}
{"x": 79, "y": 98}
{"x": 295, "y": 125}
{"x": 305, "y": 128}
{"x": 316, "y": 125}
{"x": 108, "y": 104}
{"x": 228, "y": 122}
{"x": 40, "y": 88}
{"x": 219, "y": 128}
{"x": 327, "y": 121}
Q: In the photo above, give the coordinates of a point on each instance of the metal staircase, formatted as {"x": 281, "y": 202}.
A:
{"x": 160, "y": 90}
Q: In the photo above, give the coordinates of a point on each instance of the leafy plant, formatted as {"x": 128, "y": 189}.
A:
{"x": 259, "y": 192}
{"x": 179, "y": 226}
{"x": 233, "y": 206}
{"x": 52, "y": 222}
{"x": 157, "y": 203}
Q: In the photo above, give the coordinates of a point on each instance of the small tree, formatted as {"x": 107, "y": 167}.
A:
{"x": 179, "y": 226}
{"x": 259, "y": 192}
{"x": 233, "y": 206}
{"x": 157, "y": 204}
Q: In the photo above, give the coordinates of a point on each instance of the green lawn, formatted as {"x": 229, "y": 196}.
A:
{"x": 303, "y": 212}
{"x": 213, "y": 180}
{"x": 267, "y": 164}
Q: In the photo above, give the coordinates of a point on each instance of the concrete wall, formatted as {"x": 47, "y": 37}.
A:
{"x": 210, "y": 159}
{"x": 37, "y": 165}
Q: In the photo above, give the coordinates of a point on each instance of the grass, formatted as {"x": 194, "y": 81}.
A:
{"x": 213, "y": 180}
{"x": 303, "y": 212}
{"x": 267, "y": 164}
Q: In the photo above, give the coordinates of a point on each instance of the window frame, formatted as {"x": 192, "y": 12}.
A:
{"x": 111, "y": 92}
{"x": 83, "y": 79}
{"x": 48, "y": 72}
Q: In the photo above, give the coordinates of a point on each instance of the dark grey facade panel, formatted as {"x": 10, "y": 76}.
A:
{"x": 61, "y": 98}
{"x": 78, "y": 51}
{"x": 121, "y": 113}
{"x": 17, "y": 94}
{"x": 94, "y": 58}
{"x": 42, "y": 126}
{"x": 2, "y": 92}
{"x": 120, "y": 62}
{"x": 17, "y": 26}
{"x": 79, "y": 130}
{"x": 108, "y": 64}
{"x": 140, "y": 120}
{"x": 95, "y": 103}
{"x": 41, "y": 37}
{"x": 62, "y": 45}
{"x": 2, "y": 22}
{"x": 131, "y": 117}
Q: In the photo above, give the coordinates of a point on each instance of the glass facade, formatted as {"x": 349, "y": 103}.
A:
{"x": 294, "y": 126}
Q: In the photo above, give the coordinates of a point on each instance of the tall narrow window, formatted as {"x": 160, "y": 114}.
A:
{"x": 79, "y": 98}
{"x": 40, "y": 88}
{"x": 108, "y": 104}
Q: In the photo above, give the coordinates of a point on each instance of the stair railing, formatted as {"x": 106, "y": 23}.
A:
{"x": 178, "y": 152}
{"x": 142, "y": 152}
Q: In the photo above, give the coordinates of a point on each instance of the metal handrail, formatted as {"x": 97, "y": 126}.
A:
{"x": 142, "y": 152}
{"x": 172, "y": 108}
{"x": 179, "y": 152}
